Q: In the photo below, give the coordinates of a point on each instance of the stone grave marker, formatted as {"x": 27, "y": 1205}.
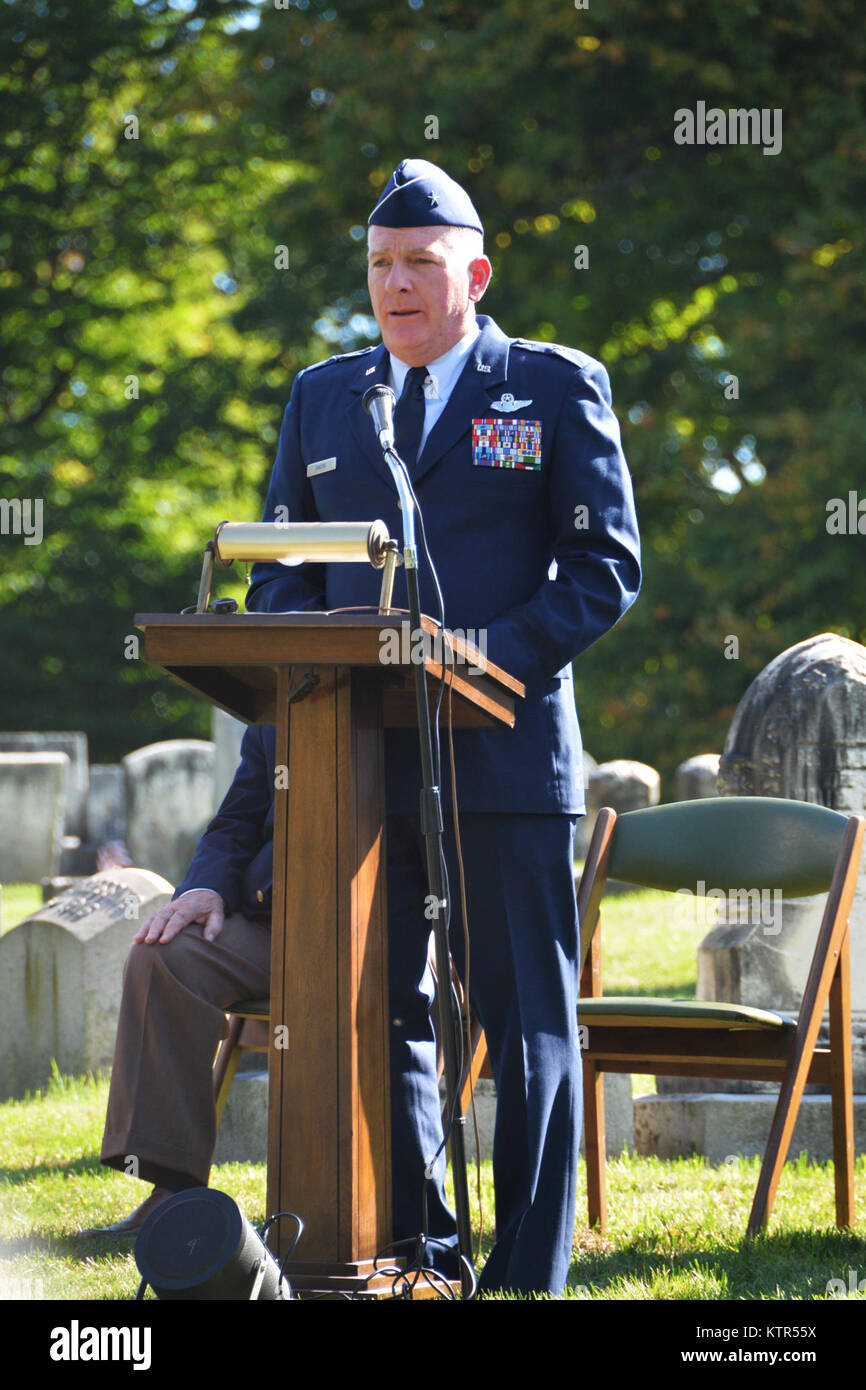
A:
{"x": 61, "y": 973}
{"x": 32, "y": 809}
{"x": 169, "y": 801}
{"x": 697, "y": 777}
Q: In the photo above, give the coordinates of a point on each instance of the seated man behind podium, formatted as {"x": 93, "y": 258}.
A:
{"x": 214, "y": 948}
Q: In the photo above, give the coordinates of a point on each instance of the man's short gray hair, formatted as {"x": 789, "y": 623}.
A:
{"x": 469, "y": 239}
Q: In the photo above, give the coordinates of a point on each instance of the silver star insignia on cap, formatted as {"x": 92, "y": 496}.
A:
{"x": 507, "y": 402}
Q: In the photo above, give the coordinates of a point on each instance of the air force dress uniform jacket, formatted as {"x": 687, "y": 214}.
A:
{"x": 530, "y": 520}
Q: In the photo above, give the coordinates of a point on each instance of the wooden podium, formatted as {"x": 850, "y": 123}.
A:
{"x": 319, "y": 678}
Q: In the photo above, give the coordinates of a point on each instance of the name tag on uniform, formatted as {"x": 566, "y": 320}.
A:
{"x": 322, "y": 466}
{"x": 506, "y": 443}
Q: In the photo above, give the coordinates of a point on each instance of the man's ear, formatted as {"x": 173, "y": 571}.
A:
{"x": 480, "y": 271}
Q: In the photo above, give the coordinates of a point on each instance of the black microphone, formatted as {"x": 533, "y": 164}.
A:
{"x": 379, "y": 402}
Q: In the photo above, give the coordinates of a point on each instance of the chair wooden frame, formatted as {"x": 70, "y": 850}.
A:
{"x": 248, "y": 1031}
{"x": 786, "y": 1054}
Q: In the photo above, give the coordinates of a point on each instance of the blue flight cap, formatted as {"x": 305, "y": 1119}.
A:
{"x": 419, "y": 194}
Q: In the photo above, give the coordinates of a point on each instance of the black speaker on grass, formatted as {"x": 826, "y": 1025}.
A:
{"x": 199, "y": 1245}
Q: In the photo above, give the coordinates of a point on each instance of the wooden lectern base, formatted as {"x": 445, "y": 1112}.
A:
{"x": 322, "y": 681}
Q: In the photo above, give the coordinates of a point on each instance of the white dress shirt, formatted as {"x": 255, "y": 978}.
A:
{"x": 442, "y": 377}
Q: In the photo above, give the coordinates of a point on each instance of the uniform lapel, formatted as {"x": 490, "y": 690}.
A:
{"x": 485, "y": 371}
{"x": 372, "y": 371}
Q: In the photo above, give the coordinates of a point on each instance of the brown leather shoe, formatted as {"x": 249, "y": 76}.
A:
{"x": 132, "y": 1224}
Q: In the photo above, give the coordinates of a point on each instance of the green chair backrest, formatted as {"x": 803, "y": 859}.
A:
{"x": 729, "y": 842}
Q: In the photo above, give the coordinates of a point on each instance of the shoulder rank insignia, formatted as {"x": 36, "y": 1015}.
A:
{"x": 339, "y": 357}
{"x": 507, "y": 402}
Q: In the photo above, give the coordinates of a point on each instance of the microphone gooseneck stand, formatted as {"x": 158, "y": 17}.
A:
{"x": 379, "y": 402}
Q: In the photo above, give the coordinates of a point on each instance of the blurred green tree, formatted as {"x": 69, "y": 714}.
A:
{"x": 721, "y": 285}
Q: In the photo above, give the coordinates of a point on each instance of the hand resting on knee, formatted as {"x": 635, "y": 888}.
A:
{"x": 199, "y": 905}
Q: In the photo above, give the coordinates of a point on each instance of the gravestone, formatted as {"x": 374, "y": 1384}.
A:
{"x": 61, "y": 973}
{"x": 798, "y": 732}
{"x": 106, "y": 803}
{"x": 74, "y": 745}
{"x": 243, "y": 1133}
{"x": 32, "y": 810}
{"x": 227, "y": 733}
{"x": 169, "y": 801}
{"x": 583, "y": 829}
{"x": 624, "y": 785}
{"x": 697, "y": 777}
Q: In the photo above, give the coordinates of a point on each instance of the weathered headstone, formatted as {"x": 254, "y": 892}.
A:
{"x": 798, "y": 732}
{"x": 106, "y": 803}
{"x": 623, "y": 784}
{"x": 227, "y": 733}
{"x": 61, "y": 974}
{"x": 74, "y": 745}
{"x": 697, "y": 777}
{"x": 169, "y": 801}
{"x": 32, "y": 809}
{"x": 583, "y": 830}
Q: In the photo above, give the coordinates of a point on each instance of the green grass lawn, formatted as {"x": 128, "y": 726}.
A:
{"x": 17, "y": 901}
{"x": 676, "y": 1226}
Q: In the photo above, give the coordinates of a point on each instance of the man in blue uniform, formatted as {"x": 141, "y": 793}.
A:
{"x": 515, "y": 457}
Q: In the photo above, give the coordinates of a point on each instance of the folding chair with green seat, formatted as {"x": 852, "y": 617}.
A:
{"x": 730, "y": 843}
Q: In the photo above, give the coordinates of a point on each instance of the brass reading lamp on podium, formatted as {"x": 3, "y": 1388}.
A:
{"x": 300, "y": 542}
{"x": 320, "y": 679}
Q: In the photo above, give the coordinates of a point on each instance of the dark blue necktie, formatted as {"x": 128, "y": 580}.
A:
{"x": 409, "y": 416}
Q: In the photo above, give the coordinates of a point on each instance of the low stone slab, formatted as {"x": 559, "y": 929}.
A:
{"x": 106, "y": 803}
{"x": 32, "y": 812}
{"x": 583, "y": 829}
{"x": 169, "y": 801}
{"x": 243, "y": 1133}
{"x": 61, "y": 973}
{"x": 74, "y": 745}
{"x": 697, "y": 777}
{"x": 624, "y": 784}
{"x": 720, "y": 1125}
{"x": 227, "y": 733}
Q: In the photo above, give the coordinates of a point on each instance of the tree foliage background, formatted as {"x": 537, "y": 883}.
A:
{"x": 154, "y": 156}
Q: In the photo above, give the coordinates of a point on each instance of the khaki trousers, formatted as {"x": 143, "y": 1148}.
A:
{"x": 160, "y": 1124}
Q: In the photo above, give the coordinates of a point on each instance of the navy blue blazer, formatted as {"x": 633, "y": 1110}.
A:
{"x": 544, "y": 559}
{"x": 494, "y": 532}
{"x": 235, "y": 855}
